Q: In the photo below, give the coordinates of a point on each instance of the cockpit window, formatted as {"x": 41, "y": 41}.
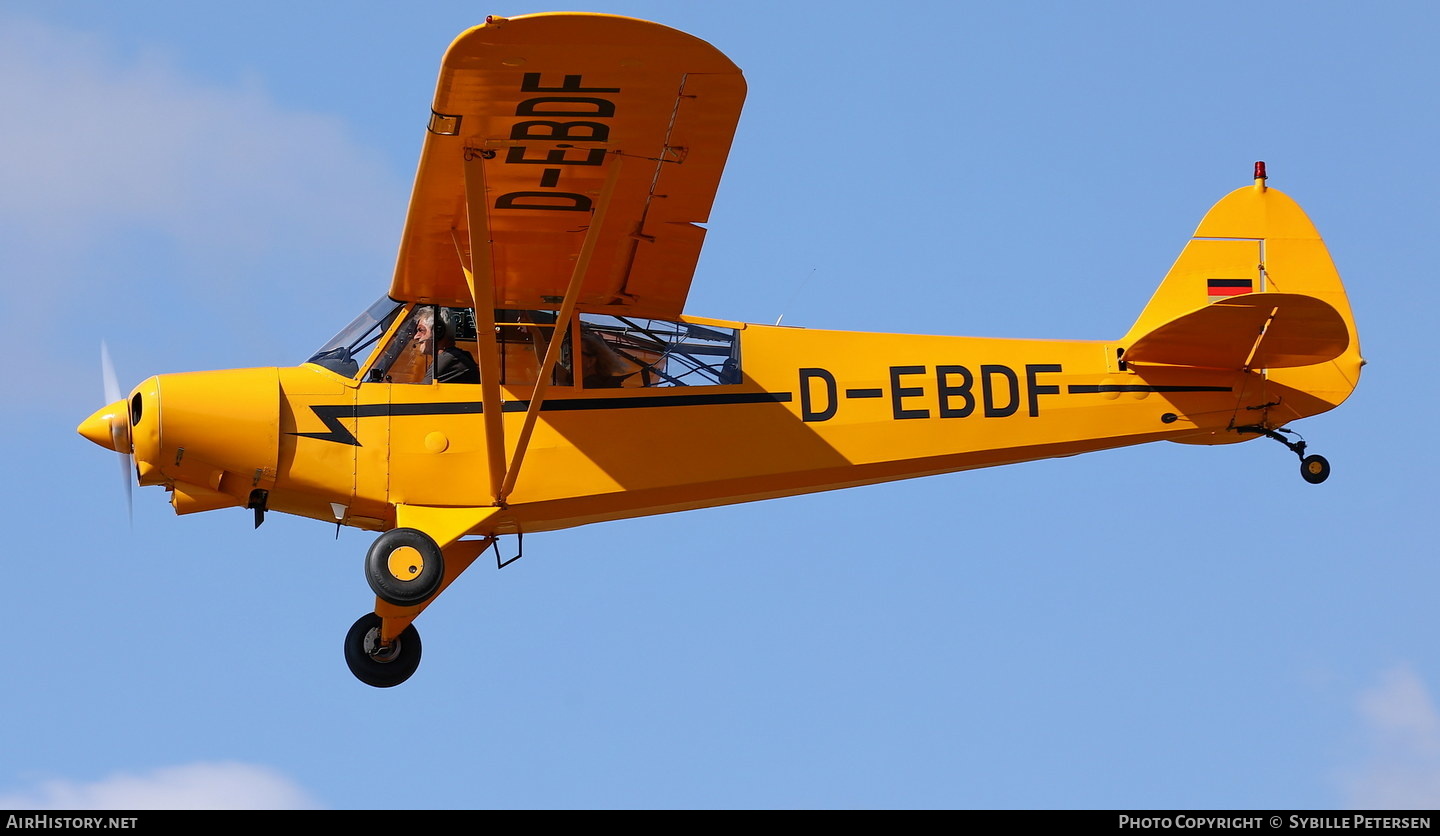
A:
{"x": 623, "y": 351}
{"x": 523, "y": 337}
{"x": 432, "y": 345}
{"x": 347, "y": 349}
{"x": 437, "y": 344}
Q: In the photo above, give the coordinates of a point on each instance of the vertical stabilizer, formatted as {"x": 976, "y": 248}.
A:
{"x": 1258, "y": 240}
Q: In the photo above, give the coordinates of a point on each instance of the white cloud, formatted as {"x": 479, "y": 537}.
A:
{"x": 199, "y": 786}
{"x": 92, "y": 137}
{"x": 140, "y": 202}
{"x": 1401, "y": 769}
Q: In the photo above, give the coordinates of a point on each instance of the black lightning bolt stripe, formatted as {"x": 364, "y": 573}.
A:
{"x": 1092, "y": 390}
{"x": 332, "y": 414}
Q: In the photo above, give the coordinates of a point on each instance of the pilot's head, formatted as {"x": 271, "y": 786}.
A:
{"x": 425, "y": 328}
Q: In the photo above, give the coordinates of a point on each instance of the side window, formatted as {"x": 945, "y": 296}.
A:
{"x": 629, "y": 352}
{"x": 523, "y": 337}
{"x": 432, "y": 344}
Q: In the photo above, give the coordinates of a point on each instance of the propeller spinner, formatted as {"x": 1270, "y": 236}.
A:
{"x": 109, "y": 426}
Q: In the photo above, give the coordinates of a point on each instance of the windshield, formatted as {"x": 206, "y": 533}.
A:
{"x": 346, "y": 349}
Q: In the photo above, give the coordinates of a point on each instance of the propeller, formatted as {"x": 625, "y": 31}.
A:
{"x": 119, "y": 428}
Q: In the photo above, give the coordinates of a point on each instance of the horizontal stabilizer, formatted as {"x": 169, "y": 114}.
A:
{"x": 1253, "y": 331}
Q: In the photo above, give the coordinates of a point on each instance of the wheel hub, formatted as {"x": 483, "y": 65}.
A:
{"x": 375, "y": 650}
{"x": 405, "y": 563}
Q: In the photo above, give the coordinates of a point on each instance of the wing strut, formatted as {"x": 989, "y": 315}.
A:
{"x": 562, "y": 320}
{"x": 481, "y": 279}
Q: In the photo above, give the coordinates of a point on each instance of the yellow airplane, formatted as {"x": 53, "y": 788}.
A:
{"x": 531, "y": 368}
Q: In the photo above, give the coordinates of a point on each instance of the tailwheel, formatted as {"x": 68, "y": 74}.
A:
{"x": 404, "y": 567}
{"x": 1314, "y": 469}
{"x": 376, "y": 665}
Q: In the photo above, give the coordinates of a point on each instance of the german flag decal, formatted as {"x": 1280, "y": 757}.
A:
{"x": 1223, "y": 288}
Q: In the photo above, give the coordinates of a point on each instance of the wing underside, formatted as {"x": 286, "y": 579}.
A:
{"x": 541, "y": 122}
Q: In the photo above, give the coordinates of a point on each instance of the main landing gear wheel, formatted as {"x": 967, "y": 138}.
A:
{"x": 404, "y": 567}
{"x": 381, "y": 667}
{"x": 1314, "y": 469}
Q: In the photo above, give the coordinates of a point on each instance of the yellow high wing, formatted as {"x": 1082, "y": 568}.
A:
{"x": 568, "y": 160}
{"x": 550, "y": 105}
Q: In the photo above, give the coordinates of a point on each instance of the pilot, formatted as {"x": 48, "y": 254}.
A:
{"x": 452, "y": 364}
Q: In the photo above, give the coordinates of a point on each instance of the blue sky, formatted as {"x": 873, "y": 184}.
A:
{"x": 1165, "y": 626}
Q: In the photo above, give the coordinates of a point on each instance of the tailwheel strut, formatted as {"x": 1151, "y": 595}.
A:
{"x": 1313, "y": 469}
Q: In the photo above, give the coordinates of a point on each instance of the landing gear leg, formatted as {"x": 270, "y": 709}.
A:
{"x": 1313, "y": 469}
{"x": 406, "y": 569}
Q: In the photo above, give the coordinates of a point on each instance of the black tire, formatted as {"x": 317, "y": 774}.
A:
{"x": 404, "y": 567}
{"x": 385, "y": 670}
{"x": 1314, "y": 469}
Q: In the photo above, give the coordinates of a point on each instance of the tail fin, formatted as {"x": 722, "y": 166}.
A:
{"x": 1256, "y": 289}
